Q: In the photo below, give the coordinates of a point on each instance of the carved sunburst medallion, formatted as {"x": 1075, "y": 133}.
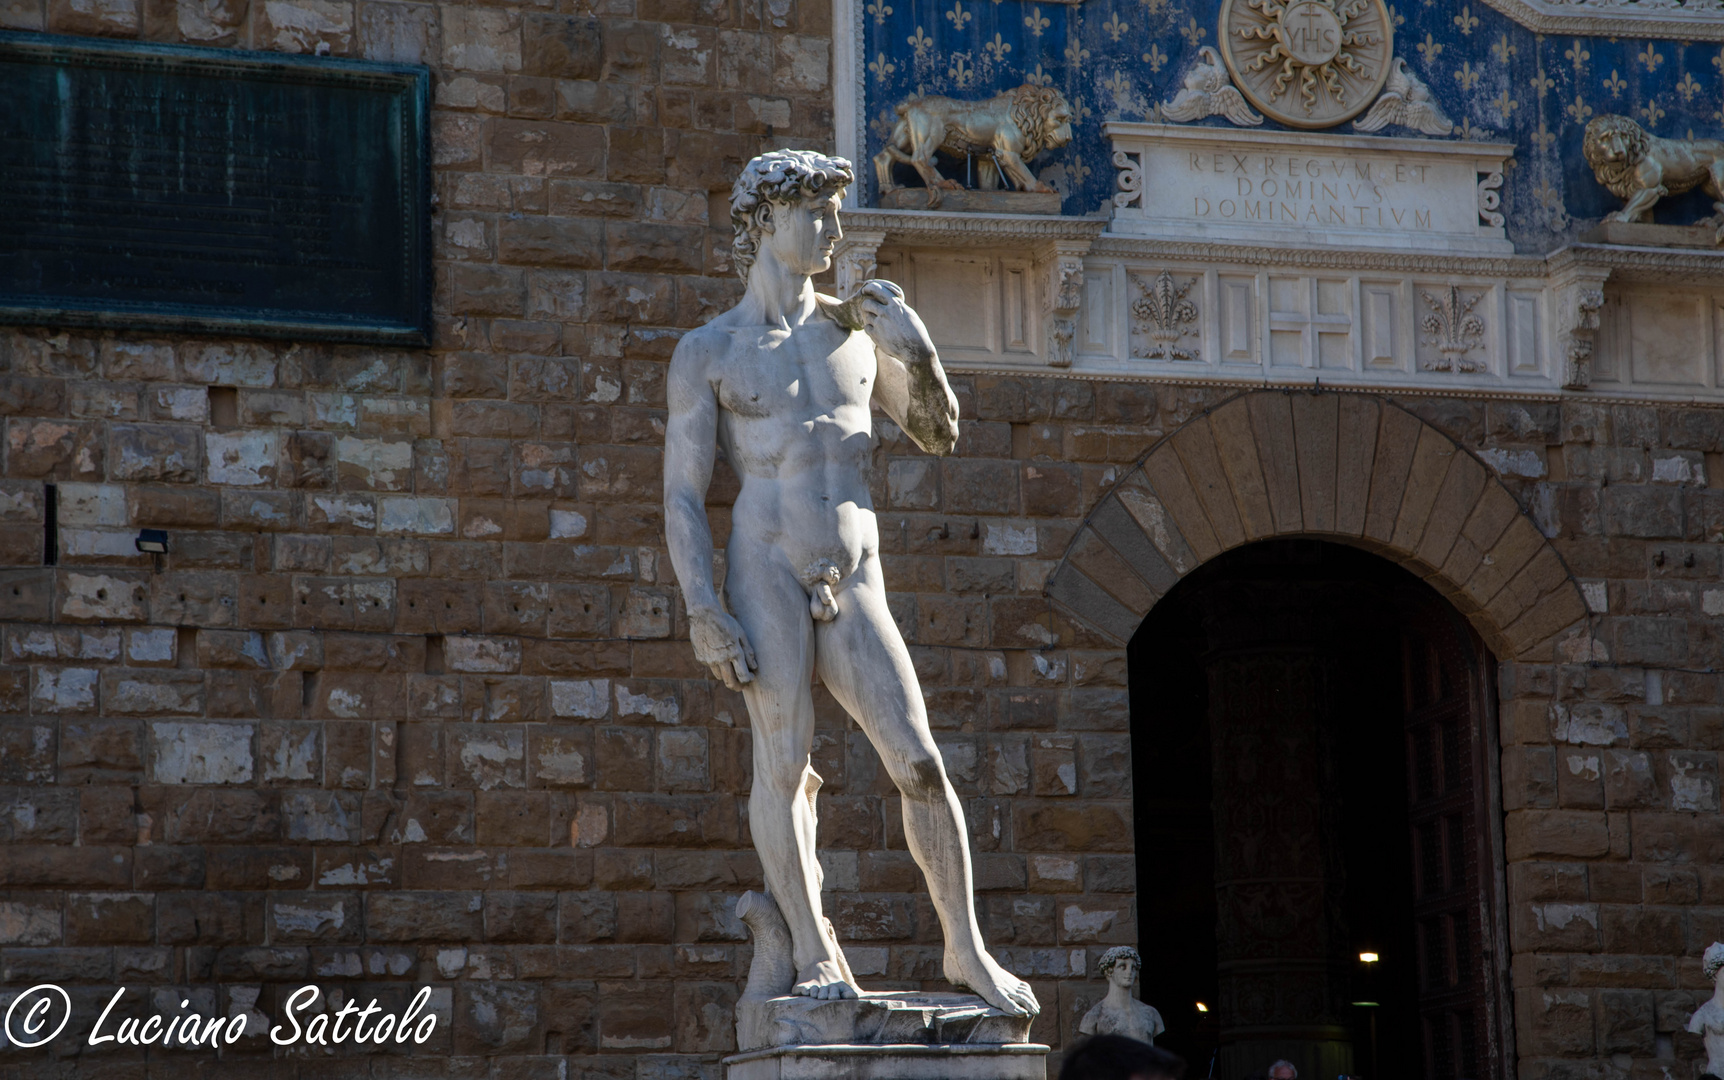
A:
{"x": 1308, "y": 63}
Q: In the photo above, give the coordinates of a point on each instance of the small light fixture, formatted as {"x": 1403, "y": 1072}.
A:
{"x": 152, "y": 541}
{"x": 1201, "y": 1007}
{"x": 1368, "y": 958}
{"x": 1366, "y": 1004}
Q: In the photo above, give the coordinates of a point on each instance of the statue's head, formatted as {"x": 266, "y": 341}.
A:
{"x": 1713, "y": 960}
{"x": 788, "y": 199}
{"x": 1120, "y": 965}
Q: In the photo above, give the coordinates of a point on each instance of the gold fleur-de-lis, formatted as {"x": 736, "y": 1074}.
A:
{"x": 1579, "y": 110}
{"x": 1430, "y": 49}
{"x": 1718, "y": 61}
{"x": 1396, "y": 19}
{"x": 1080, "y": 171}
{"x": 880, "y": 10}
{"x": 883, "y": 124}
{"x": 921, "y": 42}
{"x": 1466, "y": 20}
{"x": 1505, "y": 105}
{"x": 1615, "y": 84}
{"x": 1542, "y": 83}
{"x": 998, "y": 48}
{"x": 1115, "y": 29}
{"x": 1193, "y": 33}
{"x": 1652, "y": 112}
{"x": 1543, "y": 138}
{"x": 1036, "y": 22}
{"x": 961, "y": 74}
{"x": 1688, "y": 87}
{"x": 1503, "y": 49}
{"x": 1117, "y": 85}
{"x": 1155, "y": 58}
{"x": 1076, "y": 55}
{"x": 960, "y": 18}
{"x": 1577, "y": 55}
{"x": 1650, "y": 56}
{"x": 1467, "y": 77}
{"x": 1039, "y": 77}
{"x": 882, "y": 67}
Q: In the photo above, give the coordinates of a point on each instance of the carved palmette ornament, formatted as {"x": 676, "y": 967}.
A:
{"x": 1165, "y": 316}
{"x": 1452, "y": 329}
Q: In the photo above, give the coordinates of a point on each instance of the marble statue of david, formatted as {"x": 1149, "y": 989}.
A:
{"x": 784, "y": 383}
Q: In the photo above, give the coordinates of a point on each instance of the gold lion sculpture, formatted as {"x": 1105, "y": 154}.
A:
{"x": 1640, "y": 168}
{"x": 1004, "y": 131}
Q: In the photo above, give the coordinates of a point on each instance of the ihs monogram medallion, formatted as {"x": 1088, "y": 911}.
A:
{"x": 1308, "y": 63}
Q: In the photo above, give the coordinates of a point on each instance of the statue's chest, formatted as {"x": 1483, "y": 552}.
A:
{"x": 774, "y": 375}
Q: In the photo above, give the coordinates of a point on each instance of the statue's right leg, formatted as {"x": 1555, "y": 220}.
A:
{"x": 772, "y": 607}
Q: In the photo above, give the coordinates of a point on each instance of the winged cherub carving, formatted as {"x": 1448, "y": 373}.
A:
{"x": 1208, "y": 92}
{"x": 1406, "y": 101}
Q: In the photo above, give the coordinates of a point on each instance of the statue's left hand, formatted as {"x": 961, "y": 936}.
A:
{"x": 893, "y": 325}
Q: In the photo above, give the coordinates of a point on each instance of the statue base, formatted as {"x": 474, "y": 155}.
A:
{"x": 883, "y": 1035}
{"x": 1637, "y": 234}
{"x": 967, "y": 201}
{"x": 908, "y": 1061}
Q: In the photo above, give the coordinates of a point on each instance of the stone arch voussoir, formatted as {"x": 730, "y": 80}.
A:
{"x": 1352, "y": 468}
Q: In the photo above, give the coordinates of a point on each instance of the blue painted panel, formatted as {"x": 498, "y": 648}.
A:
{"x": 1117, "y": 59}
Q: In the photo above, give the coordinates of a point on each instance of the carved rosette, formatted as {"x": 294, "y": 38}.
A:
{"x": 1452, "y": 329}
{"x": 1165, "y": 316}
{"x": 1308, "y": 63}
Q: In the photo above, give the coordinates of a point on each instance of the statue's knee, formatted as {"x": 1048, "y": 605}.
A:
{"x": 920, "y": 776}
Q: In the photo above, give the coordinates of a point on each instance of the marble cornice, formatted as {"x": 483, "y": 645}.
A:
{"x": 1697, "y": 20}
{"x": 1687, "y": 265}
{"x": 1323, "y": 258}
{"x": 971, "y": 230}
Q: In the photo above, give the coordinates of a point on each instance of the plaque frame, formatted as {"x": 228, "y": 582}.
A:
{"x": 408, "y": 321}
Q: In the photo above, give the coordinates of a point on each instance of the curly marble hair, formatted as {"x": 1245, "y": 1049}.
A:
{"x": 779, "y": 176}
{"x": 1115, "y": 955}
{"x": 1713, "y": 959}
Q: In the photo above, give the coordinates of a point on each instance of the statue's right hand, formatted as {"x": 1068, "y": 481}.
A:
{"x": 722, "y": 645}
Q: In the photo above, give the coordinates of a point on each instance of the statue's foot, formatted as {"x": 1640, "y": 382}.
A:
{"x": 997, "y": 986}
{"x": 823, "y": 980}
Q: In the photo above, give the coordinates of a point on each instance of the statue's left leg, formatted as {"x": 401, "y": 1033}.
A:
{"x": 862, "y": 660}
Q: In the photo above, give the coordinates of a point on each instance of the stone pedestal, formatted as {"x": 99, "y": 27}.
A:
{"x": 974, "y": 202}
{"x": 909, "y": 1061}
{"x": 884, "y": 1036}
{"x": 1639, "y": 234}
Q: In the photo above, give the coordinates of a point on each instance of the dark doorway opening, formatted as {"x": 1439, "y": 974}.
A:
{"x": 1312, "y": 732}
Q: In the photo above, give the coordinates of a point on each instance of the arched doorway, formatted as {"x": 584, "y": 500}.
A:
{"x": 1311, "y": 737}
{"x": 1350, "y": 469}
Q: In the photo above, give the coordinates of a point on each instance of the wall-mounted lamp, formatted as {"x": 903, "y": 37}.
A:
{"x": 1367, "y": 958}
{"x": 152, "y": 541}
{"x": 1202, "y": 1008}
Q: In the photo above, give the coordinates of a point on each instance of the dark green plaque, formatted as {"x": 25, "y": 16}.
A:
{"x": 212, "y": 191}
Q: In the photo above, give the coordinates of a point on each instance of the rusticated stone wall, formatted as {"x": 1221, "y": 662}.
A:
{"x": 410, "y": 700}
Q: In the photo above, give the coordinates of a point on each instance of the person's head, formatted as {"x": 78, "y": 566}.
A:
{"x": 787, "y": 201}
{"x": 1115, "y": 1057}
{"x": 1283, "y": 1070}
{"x": 1120, "y": 965}
{"x": 1713, "y": 960}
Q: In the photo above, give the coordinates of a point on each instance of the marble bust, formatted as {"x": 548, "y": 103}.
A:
{"x": 783, "y": 383}
{"x": 1119, "y": 1013}
{"x": 1708, "y": 1019}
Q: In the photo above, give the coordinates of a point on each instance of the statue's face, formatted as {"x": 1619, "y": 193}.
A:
{"x": 1123, "y": 973}
{"x": 804, "y": 233}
